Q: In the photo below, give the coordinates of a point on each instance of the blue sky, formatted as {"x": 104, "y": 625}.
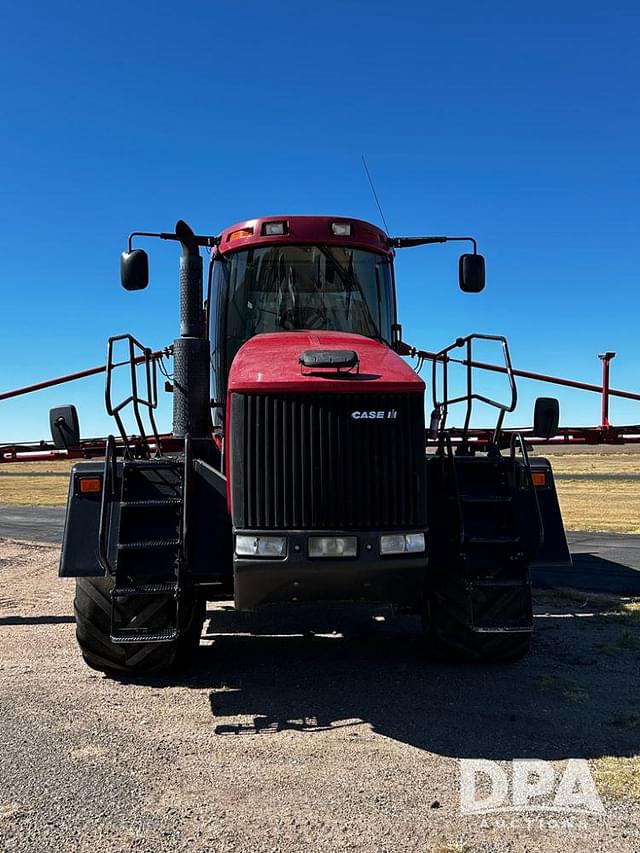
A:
{"x": 518, "y": 123}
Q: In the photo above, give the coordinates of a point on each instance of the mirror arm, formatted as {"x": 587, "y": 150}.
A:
{"x": 200, "y": 240}
{"x": 408, "y": 242}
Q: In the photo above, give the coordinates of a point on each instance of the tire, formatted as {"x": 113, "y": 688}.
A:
{"x": 447, "y": 636}
{"x": 92, "y": 608}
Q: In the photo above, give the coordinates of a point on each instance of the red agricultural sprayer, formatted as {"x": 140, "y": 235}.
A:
{"x": 297, "y": 467}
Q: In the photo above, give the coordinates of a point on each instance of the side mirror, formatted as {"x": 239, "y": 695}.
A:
{"x": 65, "y": 429}
{"x": 471, "y": 273}
{"x": 134, "y": 269}
{"x": 546, "y": 417}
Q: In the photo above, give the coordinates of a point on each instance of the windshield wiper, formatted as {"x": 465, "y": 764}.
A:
{"x": 351, "y": 282}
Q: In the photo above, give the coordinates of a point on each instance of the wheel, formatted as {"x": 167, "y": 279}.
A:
{"x": 448, "y": 637}
{"x": 92, "y": 608}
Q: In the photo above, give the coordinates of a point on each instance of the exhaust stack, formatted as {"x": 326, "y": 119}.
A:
{"x": 191, "y": 414}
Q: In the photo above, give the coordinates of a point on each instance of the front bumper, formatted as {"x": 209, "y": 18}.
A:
{"x": 397, "y": 579}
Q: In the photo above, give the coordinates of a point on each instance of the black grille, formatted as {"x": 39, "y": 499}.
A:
{"x": 303, "y": 462}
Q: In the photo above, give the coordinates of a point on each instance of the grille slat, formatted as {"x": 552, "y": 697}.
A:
{"x": 302, "y": 462}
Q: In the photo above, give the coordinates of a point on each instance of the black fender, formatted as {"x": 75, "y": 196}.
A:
{"x": 554, "y": 548}
{"x": 208, "y": 523}
{"x": 80, "y": 551}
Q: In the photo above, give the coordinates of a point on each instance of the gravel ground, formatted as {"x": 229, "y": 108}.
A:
{"x": 286, "y": 740}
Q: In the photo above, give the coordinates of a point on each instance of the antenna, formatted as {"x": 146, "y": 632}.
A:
{"x": 375, "y": 194}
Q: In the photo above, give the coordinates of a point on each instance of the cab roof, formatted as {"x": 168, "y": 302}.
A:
{"x": 305, "y": 230}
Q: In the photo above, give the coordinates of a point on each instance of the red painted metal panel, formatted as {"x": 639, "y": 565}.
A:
{"x": 307, "y": 229}
{"x": 270, "y": 362}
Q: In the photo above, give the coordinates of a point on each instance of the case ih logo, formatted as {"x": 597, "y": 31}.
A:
{"x": 389, "y": 415}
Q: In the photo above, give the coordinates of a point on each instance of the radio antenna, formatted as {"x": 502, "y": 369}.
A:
{"x": 375, "y": 194}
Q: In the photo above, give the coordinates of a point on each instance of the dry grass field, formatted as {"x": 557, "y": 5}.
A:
{"x": 34, "y": 483}
{"x": 598, "y": 488}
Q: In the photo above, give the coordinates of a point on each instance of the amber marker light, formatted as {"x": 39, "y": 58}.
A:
{"x": 89, "y": 485}
{"x": 239, "y": 234}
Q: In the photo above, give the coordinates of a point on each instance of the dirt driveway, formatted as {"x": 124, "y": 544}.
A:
{"x": 287, "y": 740}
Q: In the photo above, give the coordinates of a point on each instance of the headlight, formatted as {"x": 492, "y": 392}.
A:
{"x": 402, "y": 543}
{"x": 333, "y": 546}
{"x": 261, "y": 546}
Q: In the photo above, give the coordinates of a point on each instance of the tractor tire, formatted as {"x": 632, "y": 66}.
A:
{"x": 92, "y": 608}
{"x": 448, "y": 638}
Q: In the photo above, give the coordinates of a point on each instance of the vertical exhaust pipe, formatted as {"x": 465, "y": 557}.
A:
{"x": 191, "y": 411}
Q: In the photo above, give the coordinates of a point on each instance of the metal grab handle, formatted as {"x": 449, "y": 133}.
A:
{"x": 517, "y": 437}
{"x": 108, "y": 494}
{"x": 441, "y": 407}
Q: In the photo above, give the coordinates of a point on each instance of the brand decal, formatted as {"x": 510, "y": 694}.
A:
{"x": 388, "y": 415}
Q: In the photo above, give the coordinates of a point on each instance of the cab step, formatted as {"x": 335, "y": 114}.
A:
{"x": 151, "y": 504}
{"x": 146, "y": 589}
{"x": 150, "y": 544}
{"x": 486, "y": 499}
{"x": 166, "y": 635}
{"x": 492, "y": 540}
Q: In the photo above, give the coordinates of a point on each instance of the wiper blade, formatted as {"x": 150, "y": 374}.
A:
{"x": 351, "y": 282}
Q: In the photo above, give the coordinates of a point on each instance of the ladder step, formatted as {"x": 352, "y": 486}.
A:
{"x": 492, "y": 540}
{"x": 486, "y": 499}
{"x": 504, "y": 629}
{"x": 152, "y": 544}
{"x": 488, "y": 461}
{"x": 166, "y": 635}
{"x": 151, "y": 503}
{"x": 153, "y": 464}
{"x": 146, "y": 589}
{"x": 497, "y": 583}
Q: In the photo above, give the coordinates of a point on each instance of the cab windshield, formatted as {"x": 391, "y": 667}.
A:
{"x": 281, "y": 288}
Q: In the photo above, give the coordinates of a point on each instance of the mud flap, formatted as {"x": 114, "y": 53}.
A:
{"x": 554, "y": 549}
{"x": 79, "y": 557}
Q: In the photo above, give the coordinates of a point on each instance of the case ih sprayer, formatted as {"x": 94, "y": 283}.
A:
{"x": 297, "y": 470}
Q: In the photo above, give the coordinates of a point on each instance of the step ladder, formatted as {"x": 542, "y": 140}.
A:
{"x": 147, "y": 547}
{"x": 494, "y": 541}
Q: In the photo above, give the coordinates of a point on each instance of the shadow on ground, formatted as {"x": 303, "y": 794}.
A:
{"x": 590, "y": 572}
{"x": 36, "y": 620}
{"x": 574, "y": 696}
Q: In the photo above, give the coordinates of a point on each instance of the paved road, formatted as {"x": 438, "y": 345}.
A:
{"x": 603, "y": 562}
{"x": 32, "y": 523}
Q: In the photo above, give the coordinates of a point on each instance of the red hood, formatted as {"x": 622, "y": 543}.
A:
{"x": 270, "y": 362}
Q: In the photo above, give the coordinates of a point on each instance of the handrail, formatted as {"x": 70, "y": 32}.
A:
{"x": 517, "y": 437}
{"x": 186, "y": 489}
{"x": 134, "y": 399}
{"x": 441, "y": 407}
{"x": 108, "y": 493}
